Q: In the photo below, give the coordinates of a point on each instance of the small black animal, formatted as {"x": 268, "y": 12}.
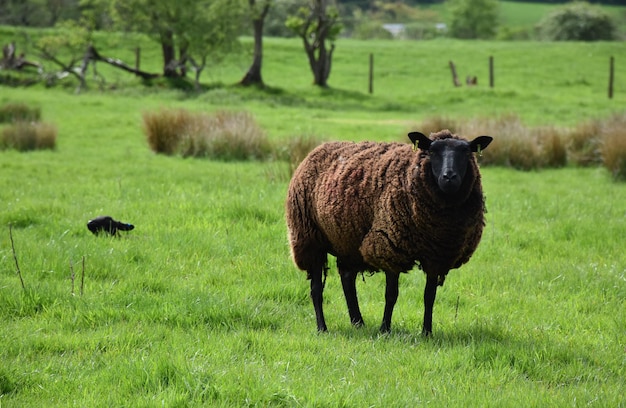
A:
{"x": 107, "y": 224}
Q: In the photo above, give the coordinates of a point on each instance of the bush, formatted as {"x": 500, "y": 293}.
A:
{"x": 24, "y": 136}
{"x": 471, "y": 19}
{"x": 371, "y": 30}
{"x": 15, "y": 112}
{"x": 577, "y": 22}
{"x": 224, "y": 135}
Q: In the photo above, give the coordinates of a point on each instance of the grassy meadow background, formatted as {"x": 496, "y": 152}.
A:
{"x": 201, "y": 305}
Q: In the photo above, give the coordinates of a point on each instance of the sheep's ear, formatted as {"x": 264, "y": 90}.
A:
{"x": 480, "y": 143}
{"x": 420, "y": 141}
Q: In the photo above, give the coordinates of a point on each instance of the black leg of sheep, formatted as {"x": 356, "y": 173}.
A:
{"x": 317, "y": 290}
{"x": 348, "y": 282}
{"x": 430, "y": 292}
{"x": 391, "y": 296}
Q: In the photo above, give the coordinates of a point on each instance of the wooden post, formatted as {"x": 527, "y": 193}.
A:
{"x": 611, "y": 76}
{"x": 491, "y": 76}
{"x": 455, "y": 79}
{"x": 371, "y": 76}
{"x": 137, "y": 57}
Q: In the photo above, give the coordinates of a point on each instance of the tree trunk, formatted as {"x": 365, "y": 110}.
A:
{"x": 169, "y": 54}
{"x": 253, "y": 76}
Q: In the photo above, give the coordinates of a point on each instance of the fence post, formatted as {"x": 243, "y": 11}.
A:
{"x": 611, "y": 76}
{"x": 455, "y": 79}
{"x": 371, "y": 76}
{"x": 491, "y": 74}
{"x": 137, "y": 57}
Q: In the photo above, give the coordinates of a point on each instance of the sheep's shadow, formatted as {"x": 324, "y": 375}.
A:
{"x": 448, "y": 337}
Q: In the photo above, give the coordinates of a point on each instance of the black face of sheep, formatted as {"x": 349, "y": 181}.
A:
{"x": 449, "y": 158}
{"x": 384, "y": 207}
{"x": 107, "y": 224}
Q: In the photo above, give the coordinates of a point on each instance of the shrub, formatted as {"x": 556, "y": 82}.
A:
{"x": 470, "y": 19}
{"x": 577, "y": 21}
{"x": 16, "y": 112}
{"x": 24, "y": 136}
{"x": 371, "y": 30}
{"x": 224, "y": 135}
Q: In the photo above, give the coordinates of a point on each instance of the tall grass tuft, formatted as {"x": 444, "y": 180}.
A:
{"x": 223, "y": 135}
{"x": 166, "y": 128}
{"x": 515, "y": 144}
{"x": 299, "y": 147}
{"x": 583, "y": 143}
{"x": 613, "y": 147}
{"x": 24, "y": 136}
{"x": 18, "y": 112}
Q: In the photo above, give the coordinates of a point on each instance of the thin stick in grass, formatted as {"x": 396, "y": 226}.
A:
{"x": 17, "y": 266}
{"x": 72, "y": 276}
{"x": 82, "y": 278}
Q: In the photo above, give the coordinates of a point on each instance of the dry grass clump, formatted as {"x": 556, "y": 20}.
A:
{"x": 583, "y": 143}
{"x": 613, "y": 146}
{"x": 24, "y": 136}
{"x": 223, "y": 135}
{"x": 515, "y": 144}
{"x": 298, "y": 148}
{"x": 165, "y": 129}
{"x": 18, "y": 112}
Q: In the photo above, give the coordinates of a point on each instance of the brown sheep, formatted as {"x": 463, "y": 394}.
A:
{"x": 385, "y": 207}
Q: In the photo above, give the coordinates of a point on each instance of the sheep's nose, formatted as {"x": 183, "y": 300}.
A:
{"x": 449, "y": 175}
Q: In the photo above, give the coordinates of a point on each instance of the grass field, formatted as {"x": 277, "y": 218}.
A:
{"x": 200, "y": 305}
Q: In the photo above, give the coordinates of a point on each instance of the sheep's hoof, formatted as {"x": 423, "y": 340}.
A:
{"x": 385, "y": 328}
{"x": 427, "y": 333}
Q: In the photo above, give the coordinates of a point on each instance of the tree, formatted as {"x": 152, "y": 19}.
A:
{"x": 315, "y": 25}
{"x": 471, "y": 19}
{"x": 65, "y": 47}
{"x": 203, "y": 27}
{"x": 259, "y": 12}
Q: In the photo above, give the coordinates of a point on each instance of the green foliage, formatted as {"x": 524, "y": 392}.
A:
{"x": 471, "y": 19}
{"x": 577, "y": 21}
{"x": 309, "y": 22}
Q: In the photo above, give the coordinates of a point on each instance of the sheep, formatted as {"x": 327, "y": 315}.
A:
{"x": 384, "y": 207}
{"x": 107, "y": 224}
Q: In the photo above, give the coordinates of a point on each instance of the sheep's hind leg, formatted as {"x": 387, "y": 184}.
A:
{"x": 391, "y": 296}
{"x": 317, "y": 289}
{"x": 348, "y": 282}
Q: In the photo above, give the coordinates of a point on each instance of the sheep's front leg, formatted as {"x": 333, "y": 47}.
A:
{"x": 317, "y": 290}
{"x": 348, "y": 282}
{"x": 430, "y": 292}
{"x": 391, "y": 296}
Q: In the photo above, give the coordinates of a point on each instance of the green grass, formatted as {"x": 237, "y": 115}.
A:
{"x": 200, "y": 305}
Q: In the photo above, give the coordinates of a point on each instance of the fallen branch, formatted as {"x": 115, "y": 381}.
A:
{"x": 93, "y": 55}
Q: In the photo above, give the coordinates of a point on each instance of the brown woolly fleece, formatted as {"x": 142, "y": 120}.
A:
{"x": 377, "y": 207}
